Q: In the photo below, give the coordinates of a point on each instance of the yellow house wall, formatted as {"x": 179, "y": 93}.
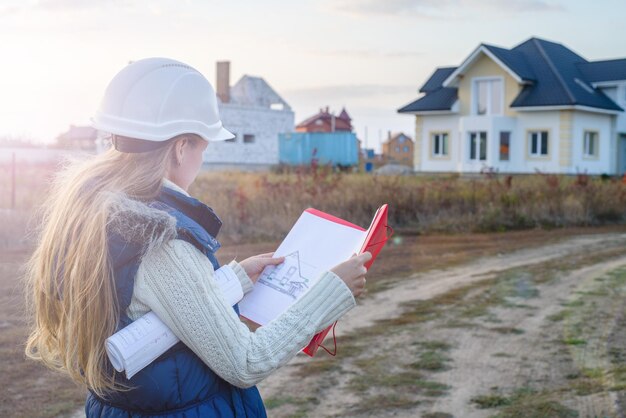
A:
{"x": 486, "y": 67}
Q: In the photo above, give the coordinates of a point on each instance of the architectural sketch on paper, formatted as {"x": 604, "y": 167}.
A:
{"x": 287, "y": 277}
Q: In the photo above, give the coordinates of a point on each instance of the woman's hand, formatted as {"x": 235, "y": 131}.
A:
{"x": 254, "y": 265}
{"x": 353, "y": 271}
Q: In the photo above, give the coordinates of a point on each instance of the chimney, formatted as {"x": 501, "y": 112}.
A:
{"x": 222, "y": 84}
{"x": 388, "y": 135}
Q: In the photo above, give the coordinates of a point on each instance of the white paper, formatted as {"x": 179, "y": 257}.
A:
{"x": 140, "y": 343}
{"x": 143, "y": 341}
{"x": 314, "y": 245}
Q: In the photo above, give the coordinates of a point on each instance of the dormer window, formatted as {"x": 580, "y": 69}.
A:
{"x": 487, "y": 96}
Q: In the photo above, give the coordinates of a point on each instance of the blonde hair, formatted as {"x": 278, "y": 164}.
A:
{"x": 70, "y": 281}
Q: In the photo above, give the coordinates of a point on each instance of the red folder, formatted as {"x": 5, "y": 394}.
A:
{"x": 374, "y": 242}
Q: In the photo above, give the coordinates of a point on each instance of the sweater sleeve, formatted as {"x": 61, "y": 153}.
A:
{"x": 176, "y": 282}
{"x": 246, "y": 283}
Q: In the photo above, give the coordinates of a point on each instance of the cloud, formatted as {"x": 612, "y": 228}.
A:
{"x": 344, "y": 93}
{"x": 53, "y": 6}
{"x": 414, "y": 8}
{"x": 368, "y": 54}
{"x": 56, "y": 5}
{"x": 436, "y": 9}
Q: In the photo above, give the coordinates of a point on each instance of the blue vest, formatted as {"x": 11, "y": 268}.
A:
{"x": 178, "y": 383}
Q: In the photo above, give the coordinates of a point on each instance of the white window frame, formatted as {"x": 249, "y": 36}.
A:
{"x": 538, "y": 154}
{"x": 444, "y": 144}
{"x": 588, "y": 136}
{"x": 476, "y": 145}
{"x": 474, "y": 94}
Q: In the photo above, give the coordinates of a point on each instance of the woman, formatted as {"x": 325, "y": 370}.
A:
{"x": 122, "y": 237}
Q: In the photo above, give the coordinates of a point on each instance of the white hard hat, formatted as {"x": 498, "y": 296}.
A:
{"x": 155, "y": 99}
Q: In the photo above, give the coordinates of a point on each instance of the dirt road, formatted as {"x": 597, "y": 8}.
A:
{"x": 502, "y": 344}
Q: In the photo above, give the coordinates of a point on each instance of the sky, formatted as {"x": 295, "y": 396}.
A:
{"x": 370, "y": 56}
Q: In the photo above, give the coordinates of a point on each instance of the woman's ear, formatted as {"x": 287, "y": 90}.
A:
{"x": 180, "y": 149}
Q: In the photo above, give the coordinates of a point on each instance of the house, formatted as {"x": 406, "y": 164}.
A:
{"x": 81, "y": 138}
{"x": 324, "y": 121}
{"x": 256, "y": 114}
{"x": 398, "y": 149}
{"x": 536, "y": 107}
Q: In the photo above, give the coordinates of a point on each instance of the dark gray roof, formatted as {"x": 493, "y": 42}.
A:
{"x": 440, "y": 99}
{"x": 515, "y": 60}
{"x": 609, "y": 70}
{"x": 554, "y": 76}
{"x": 436, "y": 79}
{"x": 559, "y": 81}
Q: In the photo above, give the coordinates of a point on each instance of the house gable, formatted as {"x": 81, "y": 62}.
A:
{"x": 484, "y": 66}
{"x": 498, "y": 56}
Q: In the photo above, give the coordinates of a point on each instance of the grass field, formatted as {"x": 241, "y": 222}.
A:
{"x": 441, "y": 224}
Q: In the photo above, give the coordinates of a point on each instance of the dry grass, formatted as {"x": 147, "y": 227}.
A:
{"x": 262, "y": 206}
{"x": 417, "y": 204}
{"x": 258, "y": 209}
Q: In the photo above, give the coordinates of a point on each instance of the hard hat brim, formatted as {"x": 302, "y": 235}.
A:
{"x": 223, "y": 135}
{"x": 159, "y": 133}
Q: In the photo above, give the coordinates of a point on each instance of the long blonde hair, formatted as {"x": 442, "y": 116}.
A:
{"x": 70, "y": 282}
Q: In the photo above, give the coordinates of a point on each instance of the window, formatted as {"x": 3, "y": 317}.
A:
{"x": 398, "y": 149}
{"x": 406, "y": 149}
{"x": 488, "y": 97}
{"x": 248, "y": 138}
{"x": 478, "y": 146}
{"x": 505, "y": 145}
{"x": 538, "y": 142}
{"x": 401, "y": 139}
{"x": 590, "y": 144}
{"x": 233, "y": 139}
{"x": 440, "y": 144}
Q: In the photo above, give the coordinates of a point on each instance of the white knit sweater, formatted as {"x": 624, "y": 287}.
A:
{"x": 176, "y": 282}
